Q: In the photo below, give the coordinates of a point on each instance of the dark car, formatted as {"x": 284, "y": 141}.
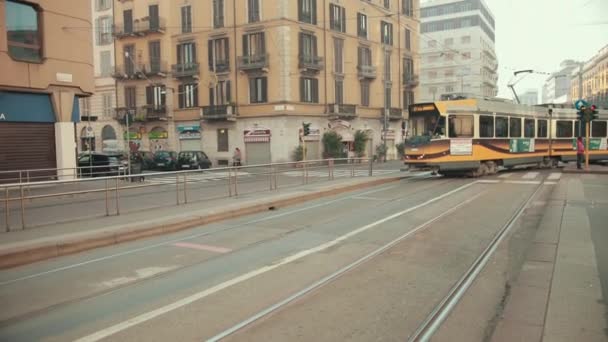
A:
{"x": 145, "y": 158}
{"x": 99, "y": 164}
{"x": 165, "y": 160}
{"x": 190, "y": 160}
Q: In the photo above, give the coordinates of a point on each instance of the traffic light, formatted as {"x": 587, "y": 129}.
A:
{"x": 306, "y": 128}
{"x": 594, "y": 112}
{"x": 580, "y": 114}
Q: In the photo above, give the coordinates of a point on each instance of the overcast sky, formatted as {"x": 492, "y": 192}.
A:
{"x": 540, "y": 34}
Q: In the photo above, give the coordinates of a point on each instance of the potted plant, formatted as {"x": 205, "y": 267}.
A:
{"x": 359, "y": 143}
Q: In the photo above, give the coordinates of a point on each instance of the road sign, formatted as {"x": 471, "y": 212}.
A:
{"x": 580, "y": 103}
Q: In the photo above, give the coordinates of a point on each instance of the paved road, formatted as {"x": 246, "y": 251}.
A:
{"x": 160, "y": 191}
{"x": 196, "y": 284}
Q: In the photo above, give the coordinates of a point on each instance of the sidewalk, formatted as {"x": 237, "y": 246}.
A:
{"x": 26, "y": 246}
{"x": 593, "y": 168}
{"x": 558, "y": 294}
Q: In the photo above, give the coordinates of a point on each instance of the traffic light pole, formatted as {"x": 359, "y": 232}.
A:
{"x": 587, "y": 146}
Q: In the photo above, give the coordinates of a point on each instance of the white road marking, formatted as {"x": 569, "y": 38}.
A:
{"x": 530, "y": 175}
{"x": 522, "y": 182}
{"x": 104, "y": 333}
{"x": 371, "y": 198}
{"x": 549, "y": 183}
{"x": 555, "y": 176}
{"x": 141, "y": 273}
{"x": 506, "y": 175}
{"x": 489, "y": 181}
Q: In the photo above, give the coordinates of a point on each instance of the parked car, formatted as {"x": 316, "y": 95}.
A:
{"x": 190, "y": 160}
{"x": 98, "y": 164}
{"x": 146, "y": 159}
{"x": 165, "y": 160}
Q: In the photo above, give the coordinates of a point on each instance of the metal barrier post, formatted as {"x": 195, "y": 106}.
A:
{"x": 117, "y": 204}
{"x": 177, "y": 188}
{"x": 271, "y": 176}
{"x": 185, "y": 191}
{"x": 27, "y": 178}
{"x": 352, "y": 168}
{"x": 6, "y": 209}
{"x": 107, "y": 200}
{"x": 236, "y": 182}
{"x": 229, "y": 182}
{"x": 371, "y": 167}
{"x": 22, "y": 207}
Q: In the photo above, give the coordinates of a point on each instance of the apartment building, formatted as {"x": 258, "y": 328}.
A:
{"x": 594, "y": 79}
{"x": 47, "y": 65}
{"x": 457, "y": 48}
{"x": 99, "y": 129}
{"x": 220, "y": 74}
{"x": 557, "y": 85}
{"x": 530, "y": 97}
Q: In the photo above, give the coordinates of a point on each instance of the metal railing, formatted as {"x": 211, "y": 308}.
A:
{"x": 253, "y": 62}
{"x": 111, "y": 195}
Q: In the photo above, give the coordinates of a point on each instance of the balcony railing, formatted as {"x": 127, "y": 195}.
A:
{"x": 129, "y": 71}
{"x": 156, "y": 68}
{"x": 150, "y": 25}
{"x": 253, "y": 62}
{"x": 395, "y": 114}
{"x": 314, "y": 63}
{"x": 366, "y": 71}
{"x": 122, "y": 30}
{"x": 135, "y": 114}
{"x": 343, "y": 111}
{"x": 220, "y": 66}
{"x": 185, "y": 69}
{"x": 410, "y": 80}
{"x": 219, "y": 112}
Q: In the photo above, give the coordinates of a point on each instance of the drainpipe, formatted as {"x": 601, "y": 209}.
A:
{"x": 325, "y": 49}
{"x": 236, "y": 73}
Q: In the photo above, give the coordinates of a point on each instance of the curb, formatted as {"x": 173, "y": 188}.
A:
{"x": 29, "y": 252}
{"x": 597, "y": 172}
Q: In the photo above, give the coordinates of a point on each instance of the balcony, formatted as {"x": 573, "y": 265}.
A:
{"x": 135, "y": 115}
{"x": 395, "y": 114}
{"x": 185, "y": 70}
{"x": 127, "y": 72}
{"x": 252, "y": 63}
{"x": 149, "y": 25}
{"x": 220, "y": 66}
{"x": 155, "y": 112}
{"x": 342, "y": 111}
{"x": 155, "y": 68}
{"x": 366, "y": 71}
{"x": 219, "y": 112}
{"x": 122, "y": 31}
{"x": 410, "y": 80}
{"x": 310, "y": 63}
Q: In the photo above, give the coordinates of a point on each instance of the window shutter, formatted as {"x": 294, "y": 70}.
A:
{"x": 315, "y": 90}
{"x": 300, "y": 10}
{"x": 227, "y": 51}
{"x": 314, "y": 12}
{"x": 264, "y": 89}
{"x": 314, "y": 46}
{"x": 163, "y": 95}
{"x": 262, "y": 43}
{"x": 182, "y": 95}
{"x": 180, "y": 57}
{"x": 359, "y": 30}
{"x": 228, "y": 95}
{"x": 193, "y": 52}
{"x": 343, "y": 20}
{"x": 331, "y": 17}
{"x": 211, "y": 97}
{"x": 195, "y": 94}
{"x": 300, "y": 44}
{"x": 252, "y": 90}
{"x": 245, "y": 45}
{"x": 210, "y": 53}
{"x": 149, "y": 95}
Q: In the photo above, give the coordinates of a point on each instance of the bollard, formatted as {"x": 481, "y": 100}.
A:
{"x": 236, "y": 182}
{"x": 22, "y": 207}
{"x": 177, "y": 188}
{"x": 117, "y": 204}
{"x": 107, "y": 200}
{"x": 185, "y": 191}
{"x": 229, "y": 182}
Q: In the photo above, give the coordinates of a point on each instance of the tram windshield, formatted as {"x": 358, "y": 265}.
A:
{"x": 425, "y": 121}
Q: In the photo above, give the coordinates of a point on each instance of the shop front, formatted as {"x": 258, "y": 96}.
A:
{"x": 189, "y": 137}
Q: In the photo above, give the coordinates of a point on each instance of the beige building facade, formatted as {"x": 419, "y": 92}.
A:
{"x": 217, "y": 75}
{"x": 46, "y": 65}
{"x": 594, "y": 79}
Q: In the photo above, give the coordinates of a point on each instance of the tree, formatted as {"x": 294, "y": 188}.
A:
{"x": 359, "y": 143}
{"x": 332, "y": 145}
{"x": 298, "y": 153}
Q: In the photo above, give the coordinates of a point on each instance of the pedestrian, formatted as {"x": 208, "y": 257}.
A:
{"x": 580, "y": 152}
{"x": 236, "y": 157}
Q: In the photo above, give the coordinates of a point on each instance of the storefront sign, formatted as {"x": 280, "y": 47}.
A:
{"x": 390, "y": 134}
{"x": 314, "y": 135}
{"x": 521, "y": 145}
{"x": 461, "y": 147}
{"x": 155, "y": 135}
{"x": 189, "y": 132}
{"x": 595, "y": 144}
{"x": 257, "y": 135}
{"x": 182, "y": 128}
{"x": 133, "y": 136}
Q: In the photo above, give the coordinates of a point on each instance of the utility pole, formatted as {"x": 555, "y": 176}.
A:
{"x": 127, "y": 118}
{"x": 385, "y": 129}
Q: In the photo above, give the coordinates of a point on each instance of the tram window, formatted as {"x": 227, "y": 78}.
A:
{"x": 461, "y": 126}
{"x": 529, "y": 128}
{"x": 542, "y": 129}
{"x": 599, "y": 129}
{"x": 486, "y": 126}
{"x": 515, "y": 127}
{"x": 563, "y": 129}
{"x": 502, "y": 127}
{"x": 578, "y": 131}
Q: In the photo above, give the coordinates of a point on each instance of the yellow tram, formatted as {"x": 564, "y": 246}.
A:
{"x": 477, "y": 136}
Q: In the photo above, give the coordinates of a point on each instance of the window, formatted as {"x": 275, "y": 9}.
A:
{"x": 486, "y": 126}
{"x": 127, "y": 20}
{"x": 542, "y": 129}
{"x": 105, "y": 63}
{"x": 222, "y": 140}
{"x": 106, "y": 100}
{"x": 307, "y": 11}
{"x": 502, "y": 127}
{"x": 339, "y": 91}
{"x": 465, "y": 39}
{"x": 130, "y": 98}
{"x": 388, "y": 97}
{"x": 449, "y": 41}
{"x": 23, "y": 32}
{"x": 308, "y": 45}
{"x": 220, "y": 94}
{"x": 449, "y": 73}
{"x": 254, "y": 44}
{"x": 515, "y": 127}
{"x": 466, "y": 55}
{"x": 104, "y": 30}
{"x": 258, "y": 92}
{"x": 337, "y": 18}
{"x": 461, "y": 126}
{"x": 85, "y": 106}
{"x": 432, "y": 74}
{"x": 364, "y": 56}
{"x": 186, "y": 55}
{"x": 218, "y": 13}
{"x": 408, "y": 69}
{"x": 361, "y": 25}
{"x": 387, "y": 33}
{"x": 253, "y": 10}
{"x": 432, "y": 43}
{"x": 186, "y": 19}
{"x": 309, "y": 90}
{"x": 188, "y": 95}
{"x": 599, "y": 129}
{"x": 529, "y": 128}
{"x": 102, "y": 5}
{"x": 387, "y": 65}
{"x": 449, "y": 89}
{"x": 338, "y": 55}
{"x": 219, "y": 55}
{"x": 580, "y": 131}
{"x": 408, "y": 39}
{"x": 407, "y": 7}
{"x": 365, "y": 93}
{"x": 156, "y": 97}
{"x": 387, "y": 4}
{"x": 154, "y": 51}
{"x": 408, "y": 98}
{"x": 564, "y": 129}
